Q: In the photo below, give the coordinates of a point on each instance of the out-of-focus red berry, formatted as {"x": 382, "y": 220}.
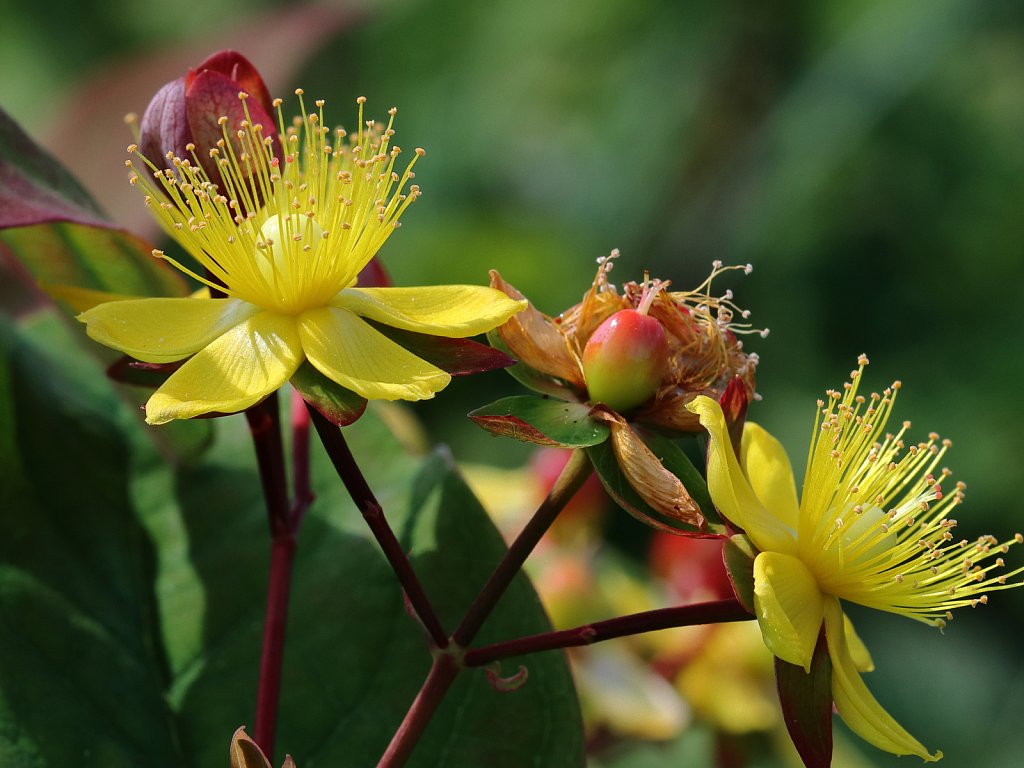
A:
{"x": 693, "y": 567}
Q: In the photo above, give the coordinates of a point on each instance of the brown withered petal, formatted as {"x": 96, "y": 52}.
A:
{"x": 668, "y": 410}
{"x": 662, "y": 490}
{"x": 579, "y": 322}
{"x": 245, "y": 753}
{"x": 288, "y": 762}
{"x": 533, "y": 338}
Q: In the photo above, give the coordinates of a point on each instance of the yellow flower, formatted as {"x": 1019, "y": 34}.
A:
{"x": 280, "y": 246}
{"x": 872, "y": 526}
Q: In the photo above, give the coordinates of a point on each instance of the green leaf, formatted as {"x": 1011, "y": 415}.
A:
{"x": 542, "y": 421}
{"x": 679, "y": 464}
{"x": 35, "y": 188}
{"x": 606, "y": 466}
{"x": 81, "y": 673}
{"x": 806, "y": 700}
{"x": 83, "y": 257}
{"x": 454, "y": 549}
{"x": 131, "y": 593}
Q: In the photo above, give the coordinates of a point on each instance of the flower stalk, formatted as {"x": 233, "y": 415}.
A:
{"x": 284, "y": 520}
{"x": 443, "y": 671}
{"x": 355, "y": 483}
{"x": 574, "y": 474}
{"x": 713, "y": 612}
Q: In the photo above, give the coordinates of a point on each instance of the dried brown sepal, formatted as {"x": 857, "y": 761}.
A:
{"x": 245, "y": 753}
{"x": 658, "y": 487}
{"x": 535, "y": 340}
{"x": 288, "y": 762}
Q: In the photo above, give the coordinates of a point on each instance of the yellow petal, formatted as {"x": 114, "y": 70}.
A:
{"x": 789, "y": 607}
{"x": 441, "y": 310}
{"x": 233, "y": 372}
{"x": 856, "y": 705}
{"x": 730, "y": 489}
{"x": 163, "y": 330}
{"x": 346, "y": 349}
{"x": 767, "y": 467}
{"x": 858, "y": 651}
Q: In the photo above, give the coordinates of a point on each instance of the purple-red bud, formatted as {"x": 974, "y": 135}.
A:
{"x": 625, "y": 360}
{"x": 187, "y": 111}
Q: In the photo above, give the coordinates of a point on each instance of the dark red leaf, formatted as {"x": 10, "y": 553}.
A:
{"x": 458, "y": 357}
{"x": 374, "y": 275}
{"x": 35, "y": 188}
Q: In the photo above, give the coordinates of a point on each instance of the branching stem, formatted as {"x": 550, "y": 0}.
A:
{"x": 715, "y": 612}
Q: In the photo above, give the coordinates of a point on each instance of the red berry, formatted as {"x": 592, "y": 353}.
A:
{"x": 625, "y": 360}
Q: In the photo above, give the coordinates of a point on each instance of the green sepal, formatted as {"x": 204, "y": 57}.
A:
{"x": 806, "y": 700}
{"x": 738, "y": 554}
{"x": 542, "y": 421}
{"x": 622, "y": 493}
{"x": 338, "y": 405}
{"x": 531, "y": 378}
{"x": 678, "y": 463}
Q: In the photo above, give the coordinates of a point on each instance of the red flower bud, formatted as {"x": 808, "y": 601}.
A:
{"x": 188, "y": 110}
{"x": 625, "y": 360}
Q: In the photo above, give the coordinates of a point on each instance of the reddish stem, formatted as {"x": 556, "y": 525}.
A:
{"x": 573, "y": 475}
{"x": 265, "y": 427}
{"x": 355, "y": 483}
{"x": 300, "y": 461}
{"x": 446, "y": 666}
{"x": 442, "y": 674}
{"x": 716, "y": 612}
{"x": 282, "y": 556}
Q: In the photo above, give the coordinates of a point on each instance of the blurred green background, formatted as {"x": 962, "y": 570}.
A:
{"x": 865, "y": 156}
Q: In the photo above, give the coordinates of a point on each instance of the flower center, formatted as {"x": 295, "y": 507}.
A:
{"x": 286, "y": 248}
{"x": 288, "y": 228}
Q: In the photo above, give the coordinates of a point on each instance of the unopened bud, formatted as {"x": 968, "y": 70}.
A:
{"x": 183, "y": 117}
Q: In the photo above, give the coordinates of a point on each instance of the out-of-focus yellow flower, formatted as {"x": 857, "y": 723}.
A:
{"x": 872, "y": 527}
{"x": 280, "y": 244}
